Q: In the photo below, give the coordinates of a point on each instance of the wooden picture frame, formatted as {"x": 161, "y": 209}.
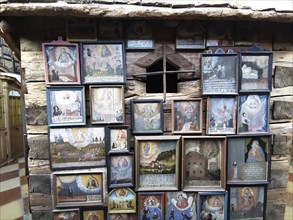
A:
{"x": 120, "y": 170}
{"x": 66, "y": 106}
{"x": 118, "y": 139}
{"x": 77, "y": 147}
{"x": 62, "y": 64}
{"x": 76, "y": 188}
{"x": 151, "y": 204}
{"x": 70, "y": 213}
{"x": 147, "y": 116}
{"x": 187, "y": 116}
{"x": 103, "y": 62}
{"x": 247, "y": 202}
{"x": 253, "y": 113}
{"x": 213, "y": 205}
{"x": 107, "y": 104}
{"x": 157, "y": 162}
{"x": 181, "y": 204}
{"x": 203, "y": 164}
{"x": 88, "y": 213}
{"x": 121, "y": 216}
{"x": 121, "y": 200}
{"x": 248, "y": 159}
{"x": 221, "y": 115}
{"x": 219, "y": 73}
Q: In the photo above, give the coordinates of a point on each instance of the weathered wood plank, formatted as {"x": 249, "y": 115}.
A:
{"x": 34, "y": 65}
{"x": 33, "y": 97}
{"x": 37, "y": 129}
{"x": 281, "y": 129}
{"x": 190, "y": 88}
{"x": 275, "y": 211}
{"x": 283, "y": 76}
{"x": 42, "y": 214}
{"x": 40, "y": 201}
{"x": 40, "y": 184}
{"x": 38, "y": 147}
{"x": 36, "y": 115}
{"x": 39, "y": 167}
{"x": 286, "y": 91}
{"x": 282, "y": 110}
{"x": 283, "y": 58}
{"x": 282, "y": 145}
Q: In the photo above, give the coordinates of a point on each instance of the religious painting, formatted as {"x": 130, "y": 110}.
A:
{"x": 77, "y": 188}
{"x": 118, "y": 138}
{"x": 103, "y": 63}
{"x": 220, "y": 34}
{"x": 66, "y": 105}
{"x": 77, "y": 147}
{"x": 248, "y": 159}
{"x": 93, "y": 214}
{"x": 212, "y": 205}
{"x": 121, "y": 200}
{"x": 157, "y": 162}
{"x": 253, "y": 115}
{"x": 147, "y": 116}
{"x": 181, "y": 205}
{"x": 247, "y": 202}
{"x": 61, "y": 60}
{"x": 107, "y": 104}
{"x": 151, "y": 205}
{"x": 70, "y": 214}
{"x": 120, "y": 216}
{"x": 221, "y": 115}
{"x": 203, "y": 164}
{"x": 187, "y": 116}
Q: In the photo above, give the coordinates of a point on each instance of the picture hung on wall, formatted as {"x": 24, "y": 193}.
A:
{"x": 118, "y": 138}
{"x": 253, "y": 116}
{"x": 118, "y": 216}
{"x": 93, "y": 213}
{"x": 66, "y": 105}
{"x": 61, "y": 60}
{"x": 181, "y": 205}
{"x": 256, "y": 71}
{"x": 76, "y": 188}
{"x": 147, "y": 116}
{"x": 221, "y": 115}
{"x": 120, "y": 170}
{"x": 187, "y": 116}
{"x": 61, "y": 214}
{"x": 220, "y": 34}
{"x": 248, "y": 159}
{"x": 103, "y": 63}
{"x": 121, "y": 200}
{"x": 203, "y": 164}
{"x": 77, "y": 147}
{"x": 151, "y": 205}
{"x": 212, "y": 205}
{"x": 247, "y": 202}
{"x": 157, "y": 159}
{"x": 107, "y": 104}
{"x": 81, "y": 29}
{"x": 219, "y": 73}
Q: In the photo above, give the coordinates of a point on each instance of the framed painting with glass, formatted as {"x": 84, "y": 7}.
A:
{"x": 93, "y": 213}
{"x": 118, "y": 138}
{"x": 151, "y": 204}
{"x": 121, "y": 200}
{"x": 61, "y": 214}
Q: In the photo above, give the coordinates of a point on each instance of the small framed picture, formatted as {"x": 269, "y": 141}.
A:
{"x": 247, "y": 202}
{"x": 61, "y": 60}
{"x": 157, "y": 162}
{"x": 187, "y": 116}
{"x": 118, "y": 216}
{"x": 77, "y": 147}
{"x": 212, "y": 205}
{"x": 253, "y": 113}
{"x": 103, "y": 63}
{"x": 221, "y": 115}
{"x": 181, "y": 205}
{"x": 255, "y": 71}
{"x": 151, "y": 204}
{"x": 66, "y": 105}
{"x": 121, "y": 200}
{"x": 248, "y": 159}
{"x": 107, "y": 104}
{"x": 219, "y": 73}
{"x": 147, "y": 116}
{"x": 204, "y": 163}
{"x": 77, "y": 188}
{"x": 89, "y": 213}
{"x": 120, "y": 170}
{"x": 70, "y": 214}
{"x": 118, "y": 137}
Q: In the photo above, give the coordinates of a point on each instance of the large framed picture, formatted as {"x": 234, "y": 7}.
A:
{"x": 248, "y": 159}
{"x": 121, "y": 200}
{"x": 107, "y": 104}
{"x": 247, "y": 202}
{"x": 157, "y": 162}
{"x": 147, "y": 116}
{"x": 187, "y": 116}
{"x": 151, "y": 204}
{"x": 66, "y": 105}
{"x": 255, "y": 71}
{"x": 212, "y": 205}
{"x": 204, "y": 163}
{"x": 61, "y": 60}
{"x": 103, "y": 63}
{"x": 221, "y": 115}
{"x": 77, "y": 188}
{"x": 70, "y": 213}
{"x": 219, "y": 73}
{"x": 118, "y": 138}
{"x": 77, "y": 147}
{"x": 253, "y": 113}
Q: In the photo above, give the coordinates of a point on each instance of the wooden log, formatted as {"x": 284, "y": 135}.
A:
{"x": 33, "y": 97}
{"x": 281, "y": 129}
{"x": 39, "y": 167}
{"x": 38, "y": 147}
{"x": 40, "y": 184}
{"x": 277, "y": 196}
{"x": 36, "y": 115}
{"x": 286, "y": 91}
{"x": 192, "y": 88}
{"x": 42, "y": 214}
{"x": 282, "y": 110}
{"x": 39, "y": 202}
{"x": 283, "y": 76}
{"x": 282, "y": 145}
{"x": 37, "y": 129}
{"x": 275, "y": 211}
{"x": 283, "y": 58}
{"x": 34, "y": 66}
